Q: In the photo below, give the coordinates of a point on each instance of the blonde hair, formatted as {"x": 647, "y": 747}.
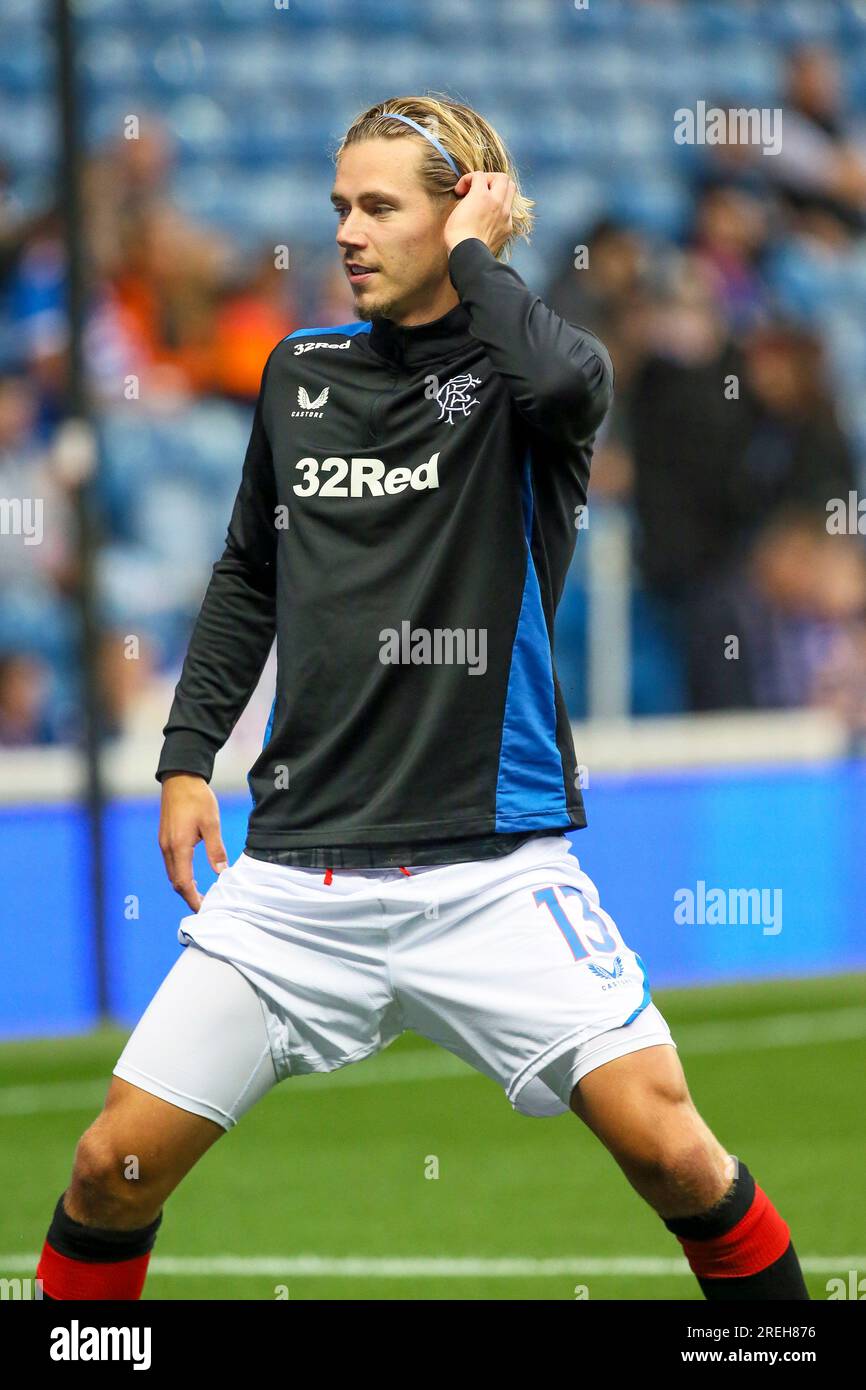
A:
{"x": 471, "y": 142}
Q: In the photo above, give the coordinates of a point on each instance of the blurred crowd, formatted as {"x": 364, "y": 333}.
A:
{"x": 176, "y": 315}
{"x": 728, "y": 439}
{"x": 728, "y": 435}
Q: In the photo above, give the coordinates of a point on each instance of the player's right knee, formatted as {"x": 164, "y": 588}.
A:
{"x": 108, "y": 1187}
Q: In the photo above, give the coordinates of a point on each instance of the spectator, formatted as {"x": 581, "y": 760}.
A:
{"x": 729, "y": 236}
{"x": 166, "y": 292}
{"x": 253, "y": 316}
{"x": 605, "y": 288}
{"x": 608, "y": 295}
{"x": 23, "y": 702}
{"x": 687, "y": 433}
{"x": 773, "y": 627}
{"x": 820, "y": 170}
{"x": 797, "y": 453}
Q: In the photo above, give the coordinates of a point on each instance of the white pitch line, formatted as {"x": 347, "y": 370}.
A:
{"x": 694, "y": 1039}
{"x": 53, "y": 1095}
{"x": 83, "y": 1095}
{"x": 430, "y": 1267}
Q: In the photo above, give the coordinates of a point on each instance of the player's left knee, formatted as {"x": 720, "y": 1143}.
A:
{"x": 689, "y": 1157}
{"x": 690, "y": 1169}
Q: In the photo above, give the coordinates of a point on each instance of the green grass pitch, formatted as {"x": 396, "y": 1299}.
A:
{"x": 333, "y": 1168}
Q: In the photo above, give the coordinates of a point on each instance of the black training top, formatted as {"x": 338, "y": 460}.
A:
{"x": 404, "y": 523}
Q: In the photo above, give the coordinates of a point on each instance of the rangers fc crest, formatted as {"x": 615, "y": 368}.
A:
{"x": 456, "y": 396}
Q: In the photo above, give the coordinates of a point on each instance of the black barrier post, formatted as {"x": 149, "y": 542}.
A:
{"x": 76, "y": 453}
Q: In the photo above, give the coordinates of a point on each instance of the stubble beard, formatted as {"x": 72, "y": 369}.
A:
{"x": 382, "y": 309}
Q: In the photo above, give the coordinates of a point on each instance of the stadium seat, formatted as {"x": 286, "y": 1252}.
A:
{"x": 35, "y": 619}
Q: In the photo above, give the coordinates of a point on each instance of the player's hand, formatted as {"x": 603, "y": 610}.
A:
{"x": 189, "y": 813}
{"x": 484, "y": 210}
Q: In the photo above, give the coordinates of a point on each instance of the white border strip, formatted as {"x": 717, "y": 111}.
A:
{"x": 630, "y": 745}
{"x": 703, "y": 741}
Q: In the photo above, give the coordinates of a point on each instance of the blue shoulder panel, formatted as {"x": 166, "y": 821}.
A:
{"x": 350, "y": 328}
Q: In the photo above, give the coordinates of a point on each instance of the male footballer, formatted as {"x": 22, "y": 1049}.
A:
{"x": 404, "y": 524}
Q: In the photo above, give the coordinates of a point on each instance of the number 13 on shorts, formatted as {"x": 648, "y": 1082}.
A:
{"x": 591, "y": 934}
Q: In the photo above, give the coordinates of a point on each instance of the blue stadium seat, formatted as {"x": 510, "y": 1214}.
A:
{"x": 852, "y": 23}
{"x": 96, "y": 15}
{"x": 35, "y": 619}
{"x": 211, "y": 439}
{"x": 790, "y": 21}
{"x": 567, "y": 203}
{"x": 854, "y": 79}
{"x": 801, "y": 280}
{"x": 844, "y": 331}
{"x": 660, "y": 207}
{"x": 203, "y": 131}
{"x": 610, "y": 21}
{"x": 376, "y": 19}
{"x": 743, "y": 73}
{"x": 134, "y": 592}
{"x": 21, "y": 15}
{"x": 454, "y": 25}
{"x": 108, "y": 61}
{"x": 641, "y": 134}
{"x": 718, "y": 19}
{"x": 28, "y": 130}
{"x": 157, "y": 16}
{"x": 25, "y": 62}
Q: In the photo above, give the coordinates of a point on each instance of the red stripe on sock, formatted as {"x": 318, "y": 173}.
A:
{"x": 754, "y": 1243}
{"x": 63, "y": 1278}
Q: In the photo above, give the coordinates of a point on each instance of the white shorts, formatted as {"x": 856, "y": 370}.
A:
{"x": 510, "y": 963}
